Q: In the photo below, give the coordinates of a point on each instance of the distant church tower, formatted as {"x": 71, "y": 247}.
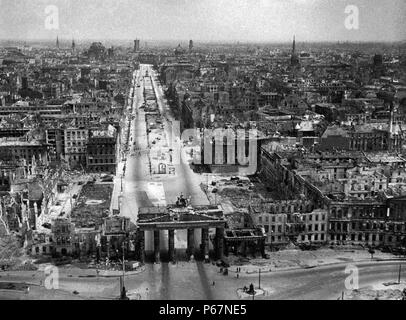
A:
{"x": 57, "y": 42}
{"x": 294, "y": 60}
{"x": 190, "y": 45}
{"x": 73, "y": 46}
{"x": 136, "y": 45}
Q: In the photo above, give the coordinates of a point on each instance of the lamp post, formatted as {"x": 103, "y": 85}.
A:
{"x": 123, "y": 293}
{"x": 259, "y": 279}
{"x": 123, "y": 246}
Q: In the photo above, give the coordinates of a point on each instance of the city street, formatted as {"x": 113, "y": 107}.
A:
{"x": 137, "y": 172}
{"x": 179, "y": 281}
{"x": 186, "y": 181}
{"x": 137, "y": 175}
{"x": 140, "y": 187}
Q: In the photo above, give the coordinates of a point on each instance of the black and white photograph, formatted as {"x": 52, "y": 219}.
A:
{"x": 215, "y": 152}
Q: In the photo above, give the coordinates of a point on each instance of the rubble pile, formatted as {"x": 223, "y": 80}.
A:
{"x": 92, "y": 205}
{"x": 11, "y": 253}
{"x": 370, "y": 294}
{"x": 10, "y": 247}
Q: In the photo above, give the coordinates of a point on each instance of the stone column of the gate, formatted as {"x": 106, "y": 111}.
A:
{"x": 205, "y": 243}
{"x": 190, "y": 242}
{"x": 108, "y": 247}
{"x": 156, "y": 246}
{"x": 171, "y": 244}
{"x": 262, "y": 247}
{"x": 244, "y": 248}
{"x": 142, "y": 246}
{"x": 219, "y": 243}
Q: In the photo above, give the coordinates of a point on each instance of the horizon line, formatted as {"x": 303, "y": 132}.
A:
{"x": 202, "y": 40}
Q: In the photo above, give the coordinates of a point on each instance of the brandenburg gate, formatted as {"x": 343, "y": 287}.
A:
{"x": 178, "y": 217}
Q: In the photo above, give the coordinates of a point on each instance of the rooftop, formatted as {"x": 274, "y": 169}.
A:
{"x": 10, "y": 142}
{"x": 384, "y": 157}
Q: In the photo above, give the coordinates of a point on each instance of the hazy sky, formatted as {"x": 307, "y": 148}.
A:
{"x": 252, "y": 20}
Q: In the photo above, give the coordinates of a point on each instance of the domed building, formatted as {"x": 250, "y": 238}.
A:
{"x": 96, "y": 51}
{"x": 179, "y": 50}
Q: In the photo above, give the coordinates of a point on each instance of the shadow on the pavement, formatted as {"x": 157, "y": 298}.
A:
{"x": 180, "y": 256}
